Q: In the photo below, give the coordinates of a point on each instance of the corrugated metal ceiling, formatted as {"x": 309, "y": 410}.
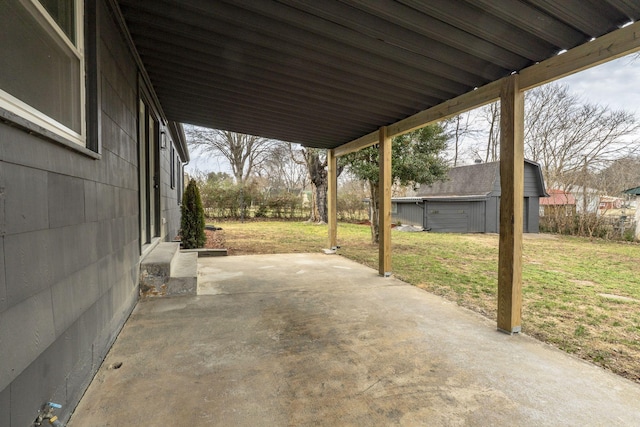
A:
{"x": 323, "y": 73}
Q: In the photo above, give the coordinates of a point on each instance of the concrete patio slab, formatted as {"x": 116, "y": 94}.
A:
{"x": 312, "y": 339}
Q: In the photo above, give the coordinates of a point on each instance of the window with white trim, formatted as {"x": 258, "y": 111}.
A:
{"x": 42, "y": 64}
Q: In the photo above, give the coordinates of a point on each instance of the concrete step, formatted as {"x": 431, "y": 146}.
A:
{"x": 165, "y": 271}
{"x": 184, "y": 274}
{"x": 205, "y": 252}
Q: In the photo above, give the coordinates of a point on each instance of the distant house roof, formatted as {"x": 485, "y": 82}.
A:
{"x": 558, "y": 198}
{"x": 635, "y": 191}
{"x": 478, "y": 180}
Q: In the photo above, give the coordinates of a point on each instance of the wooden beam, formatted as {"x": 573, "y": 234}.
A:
{"x": 357, "y": 144}
{"x": 468, "y": 101}
{"x": 511, "y": 206}
{"x": 332, "y": 198}
{"x": 384, "y": 204}
{"x": 603, "y": 49}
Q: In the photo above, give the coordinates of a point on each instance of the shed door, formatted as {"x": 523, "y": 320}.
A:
{"x": 452, "y": 217}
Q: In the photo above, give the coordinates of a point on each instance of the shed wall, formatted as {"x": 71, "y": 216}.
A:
{"x": 492, "y": 215}
{"x": 69, "y": 245}
{"x": 451, "y": 217}
{"x": 531, "y": 182}
{"x": 410, "y": 213}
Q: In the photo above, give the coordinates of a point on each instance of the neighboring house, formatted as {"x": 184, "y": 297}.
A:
{"x": 90, "y": 180}
{"x": 559, "y": 202}
{"x": 587, "y": 199}
{"x": 608, "y": 203}
{"x": 469, "y": 201}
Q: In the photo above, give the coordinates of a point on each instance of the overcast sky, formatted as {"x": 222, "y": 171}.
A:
{"x": 616, "y": 84}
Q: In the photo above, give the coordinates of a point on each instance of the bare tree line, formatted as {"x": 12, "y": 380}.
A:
{"x": 574, "y": 141}
{"x": 578, "y": 145}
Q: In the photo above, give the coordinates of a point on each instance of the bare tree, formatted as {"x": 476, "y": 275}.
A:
{"x": 284, "y": 168}
{"x": 315, "y": 160}
{"x": 618, "y": 176}
{"x": 457, "y": 129}
{"x": 485, "y": 133}
{"x": 491, "y": 113}
{"x": 245, "y": 153}
{"x": 570, "y": 138}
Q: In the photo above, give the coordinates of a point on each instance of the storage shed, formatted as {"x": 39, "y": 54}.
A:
{"x": 469, "y": 201}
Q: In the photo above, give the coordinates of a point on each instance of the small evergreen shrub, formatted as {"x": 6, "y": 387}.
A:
{"x": 192, "y": 221}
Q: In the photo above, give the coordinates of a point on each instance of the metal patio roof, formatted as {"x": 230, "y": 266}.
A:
{"x": 325, "y": 72}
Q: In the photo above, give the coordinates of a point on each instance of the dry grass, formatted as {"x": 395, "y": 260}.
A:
{"x": 580, "y": 295}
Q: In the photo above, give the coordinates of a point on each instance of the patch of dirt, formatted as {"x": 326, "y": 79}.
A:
{"x": 582, "y": 282}
{"x": 617, "y": 297}
{"x": 215, "y": 239}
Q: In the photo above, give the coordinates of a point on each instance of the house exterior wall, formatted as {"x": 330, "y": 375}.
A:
{"x": 69, "y": 244}
{"x": 169, "y": 193}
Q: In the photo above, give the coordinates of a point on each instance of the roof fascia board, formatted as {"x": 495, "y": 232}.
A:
{"x": 611, "y": 46}
{"x": 177, "y": 131}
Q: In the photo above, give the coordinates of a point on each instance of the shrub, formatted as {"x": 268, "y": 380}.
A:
{"x": 192, "y": 221}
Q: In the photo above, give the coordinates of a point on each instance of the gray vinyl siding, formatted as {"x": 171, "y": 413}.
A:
{"x": 530, "y": 215}
{"x": 533, "y": 217}
{"x": 410, "y": 213}
{"x": 492, "y": 209}
{"x": 69, "y": 245}
{"x": 477, "y": 223}
{"x": 169, "y": 207}
{"x": 531, "y": 181}
{"x": 451, "y": 217}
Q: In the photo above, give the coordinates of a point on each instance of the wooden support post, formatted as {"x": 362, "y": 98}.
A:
{"x": 511, "y": 206}
{"x": 332, "y": 198}
{"x": 384, "y": 204}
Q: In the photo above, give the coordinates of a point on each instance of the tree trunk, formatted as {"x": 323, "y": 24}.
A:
{"x": 318, "y": 177}
{"x": 321, "y": 199}
{"x": 313, "y": 211}
{"x": 375, "y": 212}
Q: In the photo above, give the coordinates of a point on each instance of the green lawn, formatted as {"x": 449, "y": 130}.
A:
{"x": 580, "y": 295}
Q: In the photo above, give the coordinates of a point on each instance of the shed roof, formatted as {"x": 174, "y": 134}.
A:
{"x": 475, "y": 180}
{"x": 325, "y": 73}
{"x": 633, "y": 191}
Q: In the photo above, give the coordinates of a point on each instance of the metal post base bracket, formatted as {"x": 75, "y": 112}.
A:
{"x": 515, "y": 330}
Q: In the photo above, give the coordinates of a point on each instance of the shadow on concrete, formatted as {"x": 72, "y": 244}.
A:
{"x": 312, "y": 339}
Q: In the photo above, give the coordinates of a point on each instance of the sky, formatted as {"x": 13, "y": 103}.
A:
{"x": 615, "y": 84}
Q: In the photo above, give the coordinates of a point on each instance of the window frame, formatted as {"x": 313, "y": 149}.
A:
{"x": 28, "y": 116}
